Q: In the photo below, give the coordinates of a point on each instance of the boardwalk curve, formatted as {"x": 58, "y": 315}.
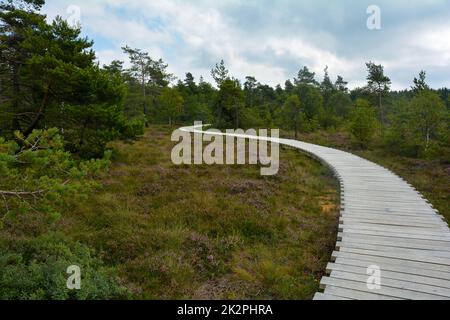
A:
{"x": 384, "y": 223}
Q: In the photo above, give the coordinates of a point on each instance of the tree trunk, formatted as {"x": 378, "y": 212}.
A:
{"x": 15, "y": 103}
{"x": 219, "y": 114}
{"x": 144, "y": 95}
{"x": 83, "y": 130}
{"x": 40, "y": 114}
{"x": 380, "y": 106}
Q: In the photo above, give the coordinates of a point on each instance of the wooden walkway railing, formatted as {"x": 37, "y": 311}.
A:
{"x": 386, "y": 224}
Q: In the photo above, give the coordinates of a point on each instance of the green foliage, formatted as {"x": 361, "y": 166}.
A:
{"x": 292, "y": 114}
{"x": 171, "y": 103}
{"x": 50, "y": 78}
{"x": 250, "y": 118}
{"x": 363, "y": 123}
{"x": 336, "y": 110}
{"x": 420, "y": 127}
{"x": 148, "y": 73}
{"x": 38, "y": 175}
{"x": 430, "y": 114}
{"x": 199, "y": 111}
{"x": 339, "y": 105}
{"x": 399, "y": 139}
{"x": 341, "y": 85}
{"x": 35, "y": 269}
{"x": 327, "y": 88}
{"x": 312, "y": 101}
{"x": 220, "y": 73}
{"x": 198, "y": 100}
{"x": 379, "y": 84}
{"x": 229, "y": 104}
{"x": 92, "y": 128}
{"x": 134, "y": 127}
{"x": 376, "y": 78}
{"x": 305, "y": 77}
{"x": 420, "y": 83}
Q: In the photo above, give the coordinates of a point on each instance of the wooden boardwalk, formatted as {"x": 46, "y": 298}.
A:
{"x": 385, "y": 223}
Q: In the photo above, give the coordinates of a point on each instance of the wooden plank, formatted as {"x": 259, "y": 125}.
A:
{"x": 395, "y": 235}
{"x": 393, "y": 283}
{"x": 394, "y": 250}
{"x": 383, "y": 245}
{"x": 322, "y": 296}
{"x": 379, "y": 216}
{"x": 389, "y": 209}
{"x": 384, "y": 291}
{"x": 391, "y": 275}
{"x": 394, "y": 221}
{"x": 400, "y": 190}
{"x": 402, "y": 256}
{"x": 439, "y": 245}
{"x": 395, "y": 229}
{"x": 365, "y": 198}
{"x": 355, "y": 294}
{"x": 394, "y": 203}
{"x": 395, "y": 267}
{"x": 385, "y": 207}
{"x": 378, "y": 260}
{"x": 373, "y": 213}
{"x": 349, "y": 195}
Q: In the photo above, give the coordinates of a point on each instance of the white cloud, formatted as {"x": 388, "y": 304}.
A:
{"x": 314, "y": 57}
{"x": 436, "y": 43}
{"x": 271, "y": 44}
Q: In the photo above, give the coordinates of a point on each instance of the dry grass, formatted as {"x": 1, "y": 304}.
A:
{"x": 210, "y": 232}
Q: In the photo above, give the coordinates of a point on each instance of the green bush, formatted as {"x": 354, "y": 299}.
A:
{"x": 133, "y": 128}
{"x": 36, "y": 270}
{"x": 363, "y": 123}
{"x": 419, "y": 127}
{"x": 91, "y": 127}
{"x": 251, "y": 119}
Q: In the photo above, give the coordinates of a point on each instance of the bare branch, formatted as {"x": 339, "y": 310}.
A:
{"x": 20, "y": 193}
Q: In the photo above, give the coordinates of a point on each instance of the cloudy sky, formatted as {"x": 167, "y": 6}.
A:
{"x": 271, "y": 40}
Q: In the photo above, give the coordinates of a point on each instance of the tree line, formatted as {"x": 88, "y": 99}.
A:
{"x": 412, "y": 122}
{"x": 50, "y": 78}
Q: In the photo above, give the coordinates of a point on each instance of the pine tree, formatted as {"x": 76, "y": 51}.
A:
{"x": 220, "y": 73}
{"x": 341, "y": 85}
{"x": 379, "y": 84}
{"x": 305, "y": 77}
{"x": 420, "y": 83}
